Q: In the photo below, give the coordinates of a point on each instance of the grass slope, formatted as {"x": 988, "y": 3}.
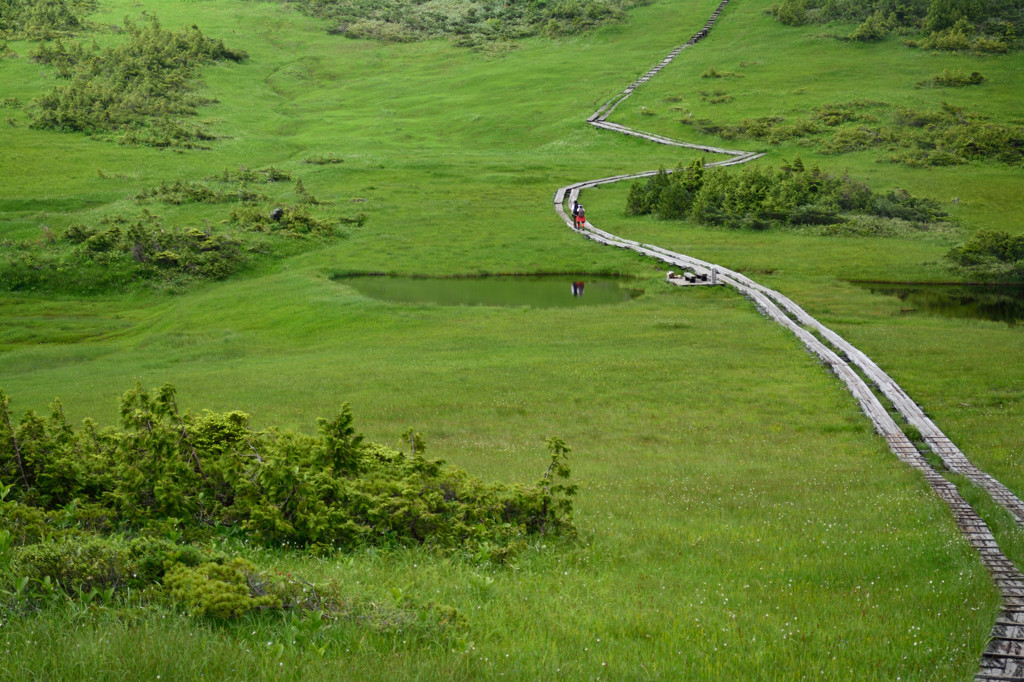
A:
{"x": 738, "y": 517}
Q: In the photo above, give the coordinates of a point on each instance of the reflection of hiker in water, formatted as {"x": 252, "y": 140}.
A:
{"x": 577, "y": 288}
{"x": 581, "y": 217}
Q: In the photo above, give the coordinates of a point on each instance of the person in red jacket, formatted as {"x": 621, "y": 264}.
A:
{"x": 581, "y": 217}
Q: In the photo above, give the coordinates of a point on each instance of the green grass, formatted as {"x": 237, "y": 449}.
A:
{"x": 738, "y": 517}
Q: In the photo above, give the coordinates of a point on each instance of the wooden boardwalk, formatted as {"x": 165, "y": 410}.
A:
{"x": 1003, "y": 658}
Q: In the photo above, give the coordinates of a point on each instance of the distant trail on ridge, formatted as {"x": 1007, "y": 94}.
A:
{"x": 1003, "y": 659}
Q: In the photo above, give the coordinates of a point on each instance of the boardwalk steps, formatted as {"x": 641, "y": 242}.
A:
{"x": 1003, "y": 659}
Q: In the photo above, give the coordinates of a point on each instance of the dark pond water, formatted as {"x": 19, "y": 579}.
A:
{"x": 535, "y": 292}
{"x": 999, "y": 302}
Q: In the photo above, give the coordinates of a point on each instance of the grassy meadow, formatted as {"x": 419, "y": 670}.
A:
{"x": 737, "y": 516}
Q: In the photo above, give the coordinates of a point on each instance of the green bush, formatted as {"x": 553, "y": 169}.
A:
{"x": 218, "y": 590}
{"x": 42, "y": 19}
{"x": 991, "y": 254}
{"x": 141, "y": 87}
{"x": 77, "y": 563}
{"x": 469, "y": 23}
{"x": 975, "y": 25}
{"x": 759, "y": 198}
{"x": 953, "y": 79}
{"x": 281, "y": 488}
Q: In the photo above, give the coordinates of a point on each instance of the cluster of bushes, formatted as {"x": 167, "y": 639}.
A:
{"x": 121, "y": 253}
{"x": 53, "y": 558}
{"x": 468, "y": 21}
{"x": 143, "y": 87}
{"x": 170, "y": 470}
{"x": 41, "y": 19}
{"x": 942, "y": 137}
{"x": 65, "y": 563}
{"x": 179, "y": 192}
{"x": 991, "y": 254}
{"x": 771, "y": 129}
{"x": 953, "y": 79}
{"x": 762, "y": 197}
{"x": 140, "y": 514}
{"x": 976, "y": 25}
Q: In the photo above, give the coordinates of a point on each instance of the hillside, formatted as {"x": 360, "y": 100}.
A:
{"x": 736, "y": 515}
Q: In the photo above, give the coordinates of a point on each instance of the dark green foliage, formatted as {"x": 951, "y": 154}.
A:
{"x": 259, "y": 176}
{"x": 953, "y": 79}
{"x": 976, "y": 25}
{"x": 942, "y": 137}
{"x": 324, "y": 160}
{"x": 962, "y": 36}
{"x": 876, "y": 26}
{"x": 170, "y": 471}
{"x": 218, "y": 590}
{"x": 42, "y": 19}
{"x": 110, "y": 570}
{"x": 293, "y": 220}
{"x": 121, "y": 253}
{"x": 143, "y": 87}
{"x": 193, "y": 192}
{"x": 991, "y": 254}
{"x": 470, "y": 22}
{"x": 772, "y": 129}
{"x": 759, "y": 197}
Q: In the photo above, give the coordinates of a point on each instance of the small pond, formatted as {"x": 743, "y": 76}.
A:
{"x": 549, "y": 291}
{"x": 999, "y": 302}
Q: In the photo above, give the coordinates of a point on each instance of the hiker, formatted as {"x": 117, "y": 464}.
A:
{"x": 575, "y": 210}
{"x": 581, "y": 218}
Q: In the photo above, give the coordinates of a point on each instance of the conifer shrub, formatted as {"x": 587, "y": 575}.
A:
{"x": 990, "y": 254}
{"x": 469, "y": 23}
{"x": 42, "y": 19}
{"x": 143, "y": 88}
{"x": 219, "y": 590}
{"x": 759, "y": 198}
{"x": 124, "y": 252}
{"x": 960, "y": 25}
{"x": 198, "y": 472}
{"x": 953, "y": 79}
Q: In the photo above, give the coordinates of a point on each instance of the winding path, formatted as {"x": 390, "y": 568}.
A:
{"x": 1003, "y": 659}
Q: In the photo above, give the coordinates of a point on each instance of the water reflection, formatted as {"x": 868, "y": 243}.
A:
{"x": 998, "y": 302}
{"x": 535, "y": 292}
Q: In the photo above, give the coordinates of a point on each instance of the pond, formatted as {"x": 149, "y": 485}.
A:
{"x": 998, "y": 302}
{"x": 548, "y": 291}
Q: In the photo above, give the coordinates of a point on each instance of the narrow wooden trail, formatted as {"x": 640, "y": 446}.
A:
{"x": 1003, "y": 659}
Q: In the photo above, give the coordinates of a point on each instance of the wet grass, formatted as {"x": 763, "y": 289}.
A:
{"x": 738, "y": 518}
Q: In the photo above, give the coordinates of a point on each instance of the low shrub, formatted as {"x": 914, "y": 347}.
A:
{"x": 219, "y": 590}
{"x": 141, "y": 87}
{"x": 33, "y": 20}
{"x": 991, "y": 254}
{"x": 953, "y": 79}
{"x": 281, "y": 488}
{"x": 470, "y": 23}
{"x": 758, "y": 198}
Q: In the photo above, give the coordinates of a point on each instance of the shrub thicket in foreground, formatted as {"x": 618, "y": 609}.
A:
{"x": 94, "y": 514}
{"x": 170, "y": 469}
